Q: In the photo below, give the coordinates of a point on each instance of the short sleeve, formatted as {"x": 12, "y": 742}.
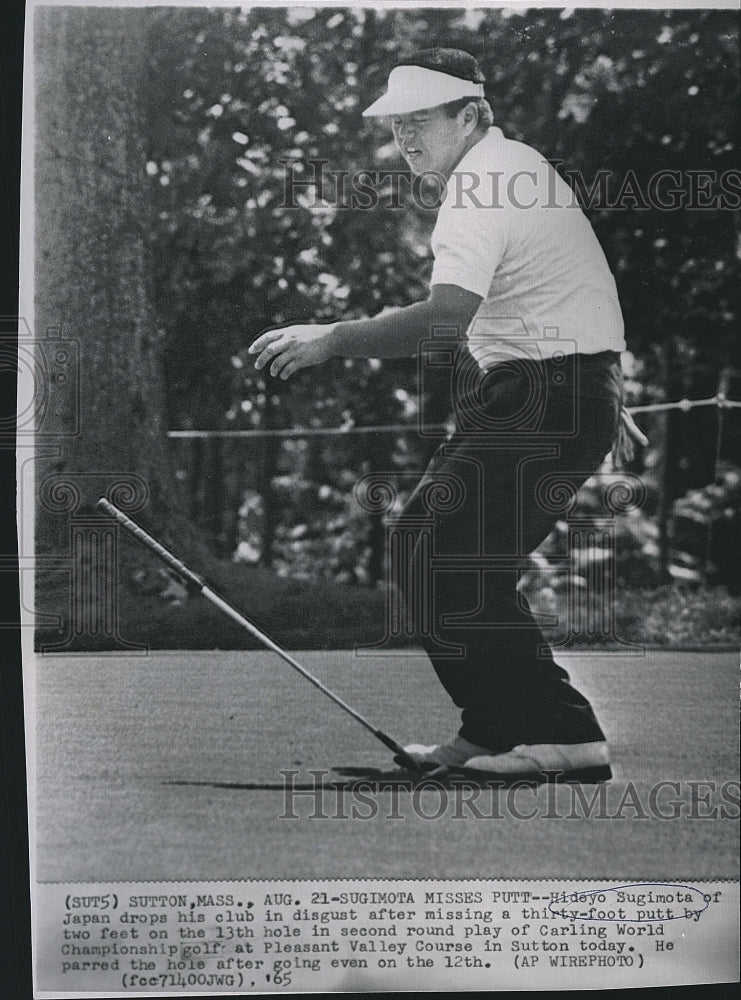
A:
{"x": 468, "y": 243}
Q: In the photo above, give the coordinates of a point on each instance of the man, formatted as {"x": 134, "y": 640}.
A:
{"x": 519, "y": 271}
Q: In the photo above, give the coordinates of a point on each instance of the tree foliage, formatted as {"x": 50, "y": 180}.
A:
{"x": 245, "y": 99}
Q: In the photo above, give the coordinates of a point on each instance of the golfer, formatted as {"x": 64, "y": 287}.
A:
{"x": 519, "y": 272}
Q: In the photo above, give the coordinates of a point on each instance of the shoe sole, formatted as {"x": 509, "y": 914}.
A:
{"x": 579, "y": 775}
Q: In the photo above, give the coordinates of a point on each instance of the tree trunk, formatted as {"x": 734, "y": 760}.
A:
{"x": 92, "y": 228}
{"x": 101, "y": 420}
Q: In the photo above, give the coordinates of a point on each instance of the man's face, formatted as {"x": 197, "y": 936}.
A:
{"x": 430, "y": 140}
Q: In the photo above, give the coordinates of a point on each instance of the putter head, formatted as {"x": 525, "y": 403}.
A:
{"x": 436, "y": 772}
{"x": 417, "y": 770}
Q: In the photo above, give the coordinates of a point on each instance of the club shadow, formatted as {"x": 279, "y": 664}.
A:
{"x": 371, "y": 779}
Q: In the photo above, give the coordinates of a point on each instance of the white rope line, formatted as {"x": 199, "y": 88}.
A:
{"x": 684, "y": 405}
{"x": 687, "y": 404}
{"x": 301, "y": 432}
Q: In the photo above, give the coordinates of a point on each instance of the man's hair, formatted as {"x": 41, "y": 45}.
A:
{"x": 458, "y": 63}
{"x": 454, "y": 62}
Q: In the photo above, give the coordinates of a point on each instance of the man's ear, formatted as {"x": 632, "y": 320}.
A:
{"x": 469, "y": 117}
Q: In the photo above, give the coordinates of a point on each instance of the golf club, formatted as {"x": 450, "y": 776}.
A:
{"x": 198, "y": 584}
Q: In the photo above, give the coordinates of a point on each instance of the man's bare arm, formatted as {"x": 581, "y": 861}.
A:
{"x": 398, "y": 334}
{"x": 394, "y": 334}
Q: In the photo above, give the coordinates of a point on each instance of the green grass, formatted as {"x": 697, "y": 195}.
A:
{"x": 147, "y": 768}
{"x": 679, "y": 617}
{"x": 155, "y": 610}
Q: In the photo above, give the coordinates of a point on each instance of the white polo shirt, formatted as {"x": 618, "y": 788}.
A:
{"x": 511, "y": 230}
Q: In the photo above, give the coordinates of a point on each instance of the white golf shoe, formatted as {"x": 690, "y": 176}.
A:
{"x": 449, "y": 755}
{"x": 574, "y": 761}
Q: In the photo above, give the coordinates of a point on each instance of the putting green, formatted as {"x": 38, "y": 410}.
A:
{"x": 174, "y": 766}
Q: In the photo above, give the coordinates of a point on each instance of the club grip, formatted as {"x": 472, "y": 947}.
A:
{"x": 192, "y": 579}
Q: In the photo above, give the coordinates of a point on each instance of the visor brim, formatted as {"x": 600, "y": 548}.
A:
{"x": 386, "y": 106}
{"x": 417, "y": 88}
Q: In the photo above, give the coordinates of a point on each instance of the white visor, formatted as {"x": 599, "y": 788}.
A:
{"x": 413, "y": 88}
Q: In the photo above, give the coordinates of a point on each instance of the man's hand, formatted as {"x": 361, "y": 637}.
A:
{"x": 293, "y": 347}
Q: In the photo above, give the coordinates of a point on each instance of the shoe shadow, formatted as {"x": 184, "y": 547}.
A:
{"x": 369, "y": 779}
{"x": 378, "y": 780}
{"x": 374, "y": 779}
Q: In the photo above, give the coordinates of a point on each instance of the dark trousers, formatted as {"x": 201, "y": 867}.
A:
{"x": 528, "y": 435}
